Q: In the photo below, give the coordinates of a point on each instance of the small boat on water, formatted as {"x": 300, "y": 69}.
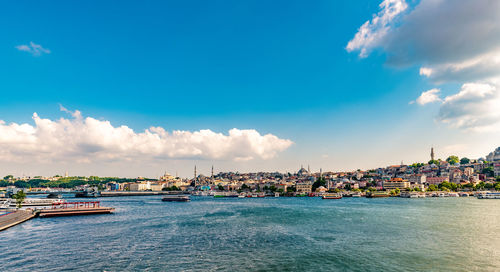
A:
{"x": 488, "y": 196}
{"x": 453, "y": 195}
{"x": 356, "y": 195}
{"x": 332, "y": 196}
{"x": 176, "y": 198}
{"x": 377, "y": 194}
{"x": 464, "y": 195}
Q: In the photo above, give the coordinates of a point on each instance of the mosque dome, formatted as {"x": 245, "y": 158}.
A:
{"x": 494, "y": 156}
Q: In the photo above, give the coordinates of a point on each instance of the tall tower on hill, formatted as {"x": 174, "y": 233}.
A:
{"x": 432, "y": 153}
{"x": 195, "y": 176}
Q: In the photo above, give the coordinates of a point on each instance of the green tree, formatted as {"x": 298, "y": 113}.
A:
{"x": 319, "y": 182}
{"x": 19, "y": 197}
{"x": 452, "y": 159}
{"x": 480, "y": 185}
{"x": 436, "y": 162}
{"x": 432, "y": 188}
{"x": 488, "y": 171}
{"x": 497, "y": 186}
{"x": 221, "y": 188}
{"x": 464, "y": 160}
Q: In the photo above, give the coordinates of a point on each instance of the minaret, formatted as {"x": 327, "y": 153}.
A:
{"x": 212, "y": 174}
{"x": 195, "y": 175}
{"x": 432, "y": 153}
{"x": 320, "y": 173}
{"x": 308, "y": 169}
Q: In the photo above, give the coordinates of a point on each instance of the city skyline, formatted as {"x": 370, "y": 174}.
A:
{"x": 246, "y": 86}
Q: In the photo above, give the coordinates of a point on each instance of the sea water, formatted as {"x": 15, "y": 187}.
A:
{"x": 263, "y": 234}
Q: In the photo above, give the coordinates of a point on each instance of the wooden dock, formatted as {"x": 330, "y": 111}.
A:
{"x": 75, "y": 208}
{"x": 15, "y": 217}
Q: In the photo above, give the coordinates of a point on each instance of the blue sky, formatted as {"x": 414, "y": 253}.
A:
{"x": 277, "y": 67}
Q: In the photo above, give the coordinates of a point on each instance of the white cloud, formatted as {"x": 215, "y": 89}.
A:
{"x": 429, "y": 96}
{"x": 33, "y": 48}
{"x": 90, "y": 140}
{"x": 371, "y": 33}
{"x": 475, "y": 107}
{"x": 453, "y": 41}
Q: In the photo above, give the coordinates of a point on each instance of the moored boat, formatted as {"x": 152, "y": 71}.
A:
{"x": 377, "y": 194}
{"x": 332, "y": 196}
{"x": 33, "y": 202}
{"x": 176, "y": 198}
{"x": 489, "y": 195}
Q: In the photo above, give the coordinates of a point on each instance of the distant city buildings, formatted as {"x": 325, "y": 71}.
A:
{"x": 418, "y": 176}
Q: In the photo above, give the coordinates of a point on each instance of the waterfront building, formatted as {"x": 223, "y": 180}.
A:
{"x": 304, "y": 187}
{"x": 417, "y": 179}
{"x": 436, "y": 180}
{"x": 396, "y": 183}
{"x": 143, "y": 186}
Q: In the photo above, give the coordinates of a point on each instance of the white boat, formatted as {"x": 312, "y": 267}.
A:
{"x": 276, "y": 194}
{"x": 31, "y": 202}
{"x": 489, "y": 196}
{"x": 442, "y": 195}
{"x": 356, "y": 195}
{"x": 414, "y": 195}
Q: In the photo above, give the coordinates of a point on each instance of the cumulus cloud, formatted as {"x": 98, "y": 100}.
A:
{"x": 33, "y": 48}
{"x": 429, "y": 96}
{"x": 86, "y": 139}
{"x": 475, "y": 107}
{"x": 453, "y": 41}
{"x": 371, "y": 33}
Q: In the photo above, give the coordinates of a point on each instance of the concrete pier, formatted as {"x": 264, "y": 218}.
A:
{"x": 15, "y": 217}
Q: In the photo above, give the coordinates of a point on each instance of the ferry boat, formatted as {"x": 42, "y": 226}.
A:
{"x": 332, "y": 196}
{"x": 377, "y": 194}
{"x": 176, "y": 198}
{"x": 33, "y": 202}
{"x": 489, "y": 196}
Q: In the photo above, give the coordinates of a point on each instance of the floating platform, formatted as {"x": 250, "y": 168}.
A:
{"x": 13, "y": 218}
{"x": 75, "y": 208}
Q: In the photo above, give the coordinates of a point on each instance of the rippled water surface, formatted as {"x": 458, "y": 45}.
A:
{"x": 270, "y": 234}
